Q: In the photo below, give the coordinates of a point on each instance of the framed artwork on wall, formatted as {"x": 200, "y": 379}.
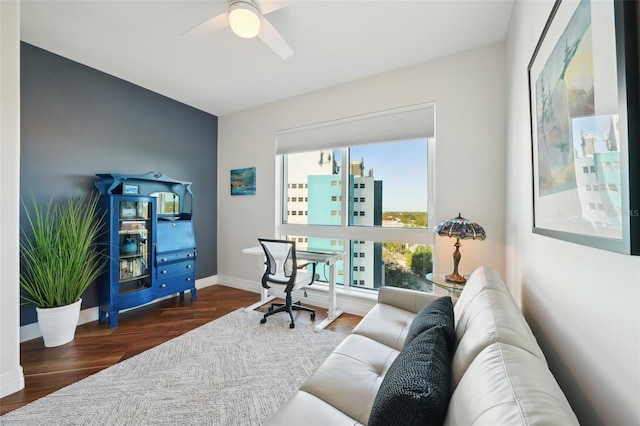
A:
{"x": 583, "y": 93}
{"x": 243, "y": 181}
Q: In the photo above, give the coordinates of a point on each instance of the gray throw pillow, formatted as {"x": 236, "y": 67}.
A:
{"x": 416, "y": 389}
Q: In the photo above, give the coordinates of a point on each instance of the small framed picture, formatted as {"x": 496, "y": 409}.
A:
{"x": 129, "y": 189}
{"x": 243, "y": 181}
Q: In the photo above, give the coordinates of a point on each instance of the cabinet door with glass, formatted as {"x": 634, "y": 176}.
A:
{"x": 128, "y": 282}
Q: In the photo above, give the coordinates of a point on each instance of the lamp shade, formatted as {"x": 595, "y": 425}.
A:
{"x": 459, "y": 227}
{"x": 244, "y": 19}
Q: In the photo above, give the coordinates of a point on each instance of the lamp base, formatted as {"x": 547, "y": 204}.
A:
{"x": 455, "y": 278}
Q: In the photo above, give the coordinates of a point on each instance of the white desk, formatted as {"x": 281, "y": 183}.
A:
{"x": 310, "y": 256}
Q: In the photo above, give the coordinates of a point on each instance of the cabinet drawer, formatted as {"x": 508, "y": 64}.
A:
{"x": 175, "y": 284}
{"x": 169, "y": 270}
{"x": 163, "y": 258}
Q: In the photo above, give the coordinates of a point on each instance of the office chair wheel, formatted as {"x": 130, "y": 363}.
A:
{"x": 292, "y": 325}
{"x": 313, "y": 315}
{"x": 263, "y": 320}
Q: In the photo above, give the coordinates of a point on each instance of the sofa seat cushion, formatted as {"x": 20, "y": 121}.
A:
{"x": 307, "y": 409}
{"x": 386, "y": 324}
{"x": 437, "y": 313}
{"x": 350, "y": 377}
{"x": 416, "y": 389}
{"x": 508, "y": 385}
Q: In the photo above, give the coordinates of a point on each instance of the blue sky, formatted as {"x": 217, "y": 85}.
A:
{"x": 397, "y": 164}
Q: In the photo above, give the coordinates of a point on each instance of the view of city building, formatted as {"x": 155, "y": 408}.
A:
{"x": 597, "y": 171}
{"x": 314, "y": 197}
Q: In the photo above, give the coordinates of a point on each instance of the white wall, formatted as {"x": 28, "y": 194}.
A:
{"x": 582, "y": 303}
{"x": 469, "y": 93}
{"x": 11, "y": 376}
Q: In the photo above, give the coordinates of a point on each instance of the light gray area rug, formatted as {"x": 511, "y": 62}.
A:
{"x": 231, "y": 371}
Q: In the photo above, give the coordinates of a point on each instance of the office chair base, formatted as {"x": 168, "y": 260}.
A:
{"x": 287, "y": 307}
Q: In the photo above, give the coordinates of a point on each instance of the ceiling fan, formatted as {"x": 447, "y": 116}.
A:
{"x": 246, "y": 19}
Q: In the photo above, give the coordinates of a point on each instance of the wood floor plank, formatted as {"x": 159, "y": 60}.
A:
{"x": 97, "y": 347}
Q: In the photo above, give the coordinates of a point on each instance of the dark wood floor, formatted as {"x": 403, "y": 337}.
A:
{"x": 96, "y": 346}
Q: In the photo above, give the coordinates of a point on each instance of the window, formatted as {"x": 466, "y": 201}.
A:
{"x": 384, "y": 196}
{"x": 367, "y": 185}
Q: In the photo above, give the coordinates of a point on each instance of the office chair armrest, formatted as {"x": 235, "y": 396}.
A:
{"x": 304, "y": 265}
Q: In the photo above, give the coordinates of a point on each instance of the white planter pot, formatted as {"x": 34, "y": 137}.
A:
{"x": 58, "y": 325}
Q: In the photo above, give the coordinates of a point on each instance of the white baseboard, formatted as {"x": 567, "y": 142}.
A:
{"x": 32, "y": 331}
{"x": 240, "y": 284}
{"x": 353, "y": 302}
{"x": 11, "y": 381}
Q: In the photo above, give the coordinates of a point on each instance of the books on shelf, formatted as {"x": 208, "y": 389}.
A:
{"x": 132, "y": 268}
{"x": 130, "y": 225}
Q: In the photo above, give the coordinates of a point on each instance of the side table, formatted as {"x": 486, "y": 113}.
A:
{"x": 441, "y": 286}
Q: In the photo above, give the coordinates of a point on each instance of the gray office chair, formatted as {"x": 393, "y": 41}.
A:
{"x": 283, "y": 271}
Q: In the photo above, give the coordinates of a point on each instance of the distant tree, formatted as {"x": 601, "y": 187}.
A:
{"x": 421, "y": 261}
{"x": 409, "y": 219}
{"x": 396, "y": 276}
{"x": 394, "y": 247}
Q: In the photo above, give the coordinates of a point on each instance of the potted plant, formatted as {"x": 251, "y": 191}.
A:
{"x": 59, "y": 260}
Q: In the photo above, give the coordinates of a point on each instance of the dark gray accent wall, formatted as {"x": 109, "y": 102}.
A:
{"x": 77, "y": 121}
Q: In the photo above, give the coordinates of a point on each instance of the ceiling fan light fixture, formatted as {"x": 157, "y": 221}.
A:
{"x": 244, "y": 19}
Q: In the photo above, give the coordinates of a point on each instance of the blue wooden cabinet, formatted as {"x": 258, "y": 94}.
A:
{"x": 175, "y": 256}
{"x": 150, "y": 241}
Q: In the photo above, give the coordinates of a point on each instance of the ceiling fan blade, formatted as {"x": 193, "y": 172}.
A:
{"x": 272, "y": 38}
{"x": 268, "y": 6}
{"x": 209, "y": 26}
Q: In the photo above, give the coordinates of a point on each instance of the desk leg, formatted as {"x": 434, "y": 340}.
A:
{"x": 264, "y": 293}
{"x": 264, "y": 299}
{"x": 333, "y": 311}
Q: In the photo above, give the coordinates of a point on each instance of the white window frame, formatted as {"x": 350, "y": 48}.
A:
{"x": 344, "y": 231}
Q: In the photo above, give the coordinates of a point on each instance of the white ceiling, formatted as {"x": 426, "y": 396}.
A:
{"x": 334, "y": 42}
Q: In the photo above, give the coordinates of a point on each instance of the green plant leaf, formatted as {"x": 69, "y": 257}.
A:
{"x": 59, "y": 256}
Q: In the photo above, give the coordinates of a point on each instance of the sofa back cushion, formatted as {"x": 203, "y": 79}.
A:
{"x": 489, "y": 314}
{"x": 482, "y": 278}
{"x": 522, "y": 391}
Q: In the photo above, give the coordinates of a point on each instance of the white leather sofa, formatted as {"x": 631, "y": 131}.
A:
{"x": 498, "y": 372}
